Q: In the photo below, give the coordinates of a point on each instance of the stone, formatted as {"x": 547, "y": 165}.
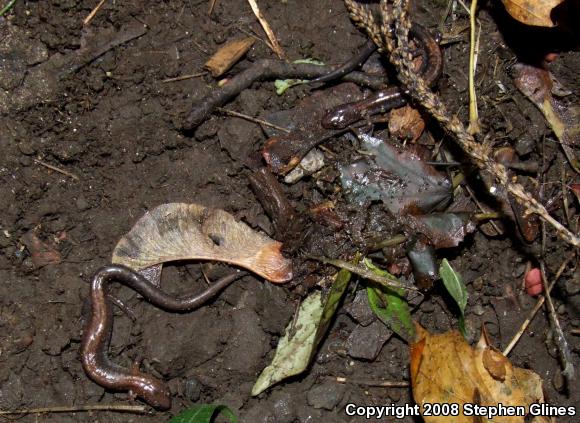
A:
{"x": 365, "y": 342}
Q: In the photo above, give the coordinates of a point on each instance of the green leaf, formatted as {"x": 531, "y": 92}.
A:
{"x": 390, "y": 306}
{"x": 454, "y": 284}
{"x": 282, "y": 85}
{"x": 204, "y": 413}
{"x": 457, "y": 289}
{"x": 331, "y": 305}
{"x": 297, "y": 347}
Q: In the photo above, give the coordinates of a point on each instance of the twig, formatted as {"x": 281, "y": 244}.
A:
{"x": 56, "y": 169}
{"x": 252, "y": 119}
{"x": 376, "y": 383}
{"x": 473, "y": 127}
{"x": 537, "y": 307}
{"x": 183, "y": 77}
{"x": 267, "y": 29}
{"x": 575, "y": 331}
{"x": 93, "y": 12}
{"x": 559, "y": 338}
{"x": 211, "y": 6}
{"x": 565, "y": 196}
{"x": 484, "y": 211}
{"x": 120, "y": 408}
{"x": 263, "y": 70}
{"x": 7, "y": 7}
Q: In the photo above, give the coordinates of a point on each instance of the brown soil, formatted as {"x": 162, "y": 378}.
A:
{"x": 115, "y": 125}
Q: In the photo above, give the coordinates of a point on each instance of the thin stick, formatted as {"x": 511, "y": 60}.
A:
{"x": 480, "y": 206}
{"x": 93, "y": 12}
{"x": 211, "y": 6}
{"x": 559, "y": 338}
{"x": 376, "y": 383}
{"x": 56, "y": 169}
{"x": 276, "y": 47}
{"x": 253, "y": 119}
{"x": 7, "y": 7}
{"x": 137, "y": 409}
{"x": 575, "y": 331}
{"x": 537, "y": 307}
{"x": 473, "y": 127}
{"x": 183, "y": 77}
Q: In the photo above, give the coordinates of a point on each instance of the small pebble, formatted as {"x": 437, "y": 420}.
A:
{"x": 26, "y": 148}
{"x": 518, "y": 270}
{"x": 192, "y": 389}
{"x": 82, "y": 203}
{"x": 428, "y": 307}
{"x": 478, "y": 310}
{"x": 573, "y": 286}
{"x": 326, "y": 395}
{"x": 478, "y": 284}
{"x": 558, "y": 381}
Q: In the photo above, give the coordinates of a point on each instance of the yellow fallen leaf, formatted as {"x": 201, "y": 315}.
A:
{"x": 446, "y": 370}
{"x": 532, "y": 12}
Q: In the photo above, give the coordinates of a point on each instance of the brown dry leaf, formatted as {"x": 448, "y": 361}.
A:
{"x": 537, "y": 84}
{"x": 446, "y": 369}
{"x": 406, "y": 123}
{"x": 179, "y": 231}
{"x": 41, "y": 253}
{"x": 532, "y": 12}
{"x": 228, "y": 55}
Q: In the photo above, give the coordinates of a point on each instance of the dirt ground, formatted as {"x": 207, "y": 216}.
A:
{"x": 115, "y": 128}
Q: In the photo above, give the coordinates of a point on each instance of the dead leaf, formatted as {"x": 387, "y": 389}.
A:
{"x": 179, "y": 231}
{"x": 400, "y": 179}
{"x": 228, "y": 55}
{"x": 446, "y": 369}
{"x": 537, "y": 84}
{"x": 532, "y": 12}
{"x": 444, "y": 230}
{"x": 42, "y": 253}
{"x": 406, "y": 123}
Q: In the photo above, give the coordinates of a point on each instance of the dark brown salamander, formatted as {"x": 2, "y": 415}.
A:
{"x": 97, "y": 332}
{"x": 390, "y": 98}
{"x": 356, "y": 61}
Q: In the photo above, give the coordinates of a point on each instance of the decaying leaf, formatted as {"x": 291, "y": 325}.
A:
{"x": 537, "y": 84}
{"x": 406, "y": 123}
{"x": 42, "y": 253}
{"x": 294, "y": 349}
{"x": 390, "y": 306}
{"x": 532, "y": 12}
{"x": 446, "y": 369}
{"x": 422, "y": 257}
{"x": 444, "y": 230}
{"x": 179, "y": 231}
{"x": 297, "y": 347}
{"x": 401, "y": 180}
{"x": 228, "y": 55}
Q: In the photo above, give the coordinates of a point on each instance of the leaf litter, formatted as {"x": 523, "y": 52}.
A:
{"x": 446, "y": 369}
